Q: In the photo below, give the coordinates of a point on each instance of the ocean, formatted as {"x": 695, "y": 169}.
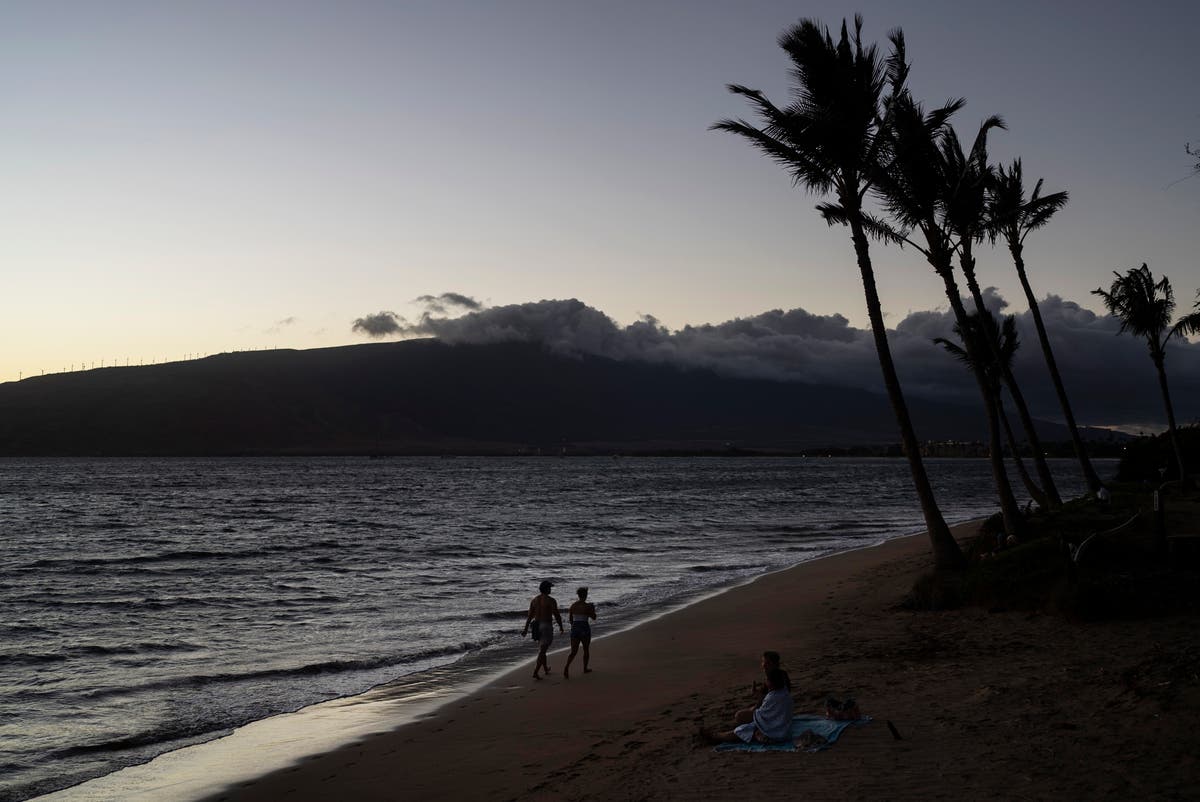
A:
{"x": 150, "y": 604}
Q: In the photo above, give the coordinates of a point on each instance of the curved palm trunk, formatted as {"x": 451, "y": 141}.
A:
{"x": 1039, "y": 455}
{"x": 1166, "y": 394}
{"x": 1035, "y": 492}
{"x": 1009, "y": 509}
{"x": 1085, "y": 464}
{"x": 946, "y": 553}
{"x": 967, "y": 261}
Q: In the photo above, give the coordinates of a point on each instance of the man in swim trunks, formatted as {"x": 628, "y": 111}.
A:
{"x": 543, "y": 608}
{"x": 581, "y": 631}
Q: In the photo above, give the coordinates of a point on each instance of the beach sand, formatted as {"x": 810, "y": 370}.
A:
{"x": 989, "y": 706}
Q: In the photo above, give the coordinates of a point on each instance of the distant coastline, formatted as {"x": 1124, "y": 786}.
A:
{"x": 426, "y": 398}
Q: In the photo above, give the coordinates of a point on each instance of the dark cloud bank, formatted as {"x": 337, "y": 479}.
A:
{"x": 1110, "y": 379}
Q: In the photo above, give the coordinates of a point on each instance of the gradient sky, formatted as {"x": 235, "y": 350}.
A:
{"x": 195, "y": 177}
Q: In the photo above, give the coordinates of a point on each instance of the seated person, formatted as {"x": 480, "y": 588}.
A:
{"x": 772, "y": 721}
{"x": 770, "y": 660}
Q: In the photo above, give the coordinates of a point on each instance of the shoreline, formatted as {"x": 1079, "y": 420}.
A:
{"x": 997, "y": 704}
{"x": 514, "y": 704}
{"x": 283, "y": 740}
{"x": 988, "y": 705}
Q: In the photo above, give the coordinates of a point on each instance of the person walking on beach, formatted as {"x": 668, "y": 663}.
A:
{"x": 770, "y": 660}
{"x": 543, "y": 608}
{"x": 581, "y": 631}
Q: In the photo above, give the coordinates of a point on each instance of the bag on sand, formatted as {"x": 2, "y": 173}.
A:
{"x": 841, "y": 710}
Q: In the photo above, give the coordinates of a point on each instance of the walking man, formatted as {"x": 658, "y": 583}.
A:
{"x": 543, "y": 610}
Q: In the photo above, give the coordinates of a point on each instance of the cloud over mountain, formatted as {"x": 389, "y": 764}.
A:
{"x": 1110, "y": 379}
{"x": 379, "y": 324}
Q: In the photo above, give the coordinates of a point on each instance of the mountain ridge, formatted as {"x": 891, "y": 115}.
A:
{"x": 429, "y": 397}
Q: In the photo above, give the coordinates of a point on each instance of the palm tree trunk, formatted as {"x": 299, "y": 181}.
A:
{"x": 1085, "y": 464}
{"x": 967, "y": 262}
{"x": 1034, "y": 491}
{"x": 946, "y": 553}
{"x": 1166, "y": 394}
{"x": 1009, "y": 509}
{"x": 1039, "y": 456}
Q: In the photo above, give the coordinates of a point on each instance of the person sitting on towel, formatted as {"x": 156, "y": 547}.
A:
{"x": 772, "y": 722}
{"x": 770, "y": 660}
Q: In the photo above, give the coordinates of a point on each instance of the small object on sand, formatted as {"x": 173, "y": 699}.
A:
{"x": 809, "y": 739}
{"x": 895, "y": 732}
{"x": 841, "y": 711}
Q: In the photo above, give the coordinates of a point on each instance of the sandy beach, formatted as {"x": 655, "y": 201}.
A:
{"x": 997, "y": 705}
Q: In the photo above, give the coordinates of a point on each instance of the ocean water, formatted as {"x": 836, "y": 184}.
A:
{"x": 152, "y": 604}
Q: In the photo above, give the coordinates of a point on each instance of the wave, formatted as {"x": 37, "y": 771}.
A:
{"x": 95, "y": 650}
{"x": 701, "y": 569}
{"x": 309, "y": 670}
{"x": 503, "y": 614}
{"x": 142, "y": 559}
{"x": 152, "y": 737}
{"x": 224, "y": 601}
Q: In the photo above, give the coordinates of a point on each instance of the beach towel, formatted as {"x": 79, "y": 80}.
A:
{"x": 824, "y": 727}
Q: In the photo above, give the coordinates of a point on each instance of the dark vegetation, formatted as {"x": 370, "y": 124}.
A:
{"x": 1152, "y": 459}
{"x": 1087, "y": 560}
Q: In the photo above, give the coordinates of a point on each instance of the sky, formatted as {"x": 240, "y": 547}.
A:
{"x": 187, "y": 178}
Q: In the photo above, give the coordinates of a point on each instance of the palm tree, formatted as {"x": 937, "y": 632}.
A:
{"x": 918, "y": 189}
{"x": 1011, "y": 217}
{"x": 967, "y": 216}
{"x": 830, "y": 139}
{"x": 1003, "y": 347}
{"x": 1144, "y": 308}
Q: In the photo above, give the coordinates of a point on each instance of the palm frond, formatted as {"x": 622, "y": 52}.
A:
{"x": 814, "y": 176}
{"x": 1010, "y": 215}
{"x": 968, "y": 177}
{"x": 954, "y": 350}
{"x": 1039, "y": 210}
{"x": 1186, "y": 325}
{"x": 1142, "y": 305}
{"x": 827, "y": 134}
{"x": 880, "y": 229}
{"x": 834, "y": 214}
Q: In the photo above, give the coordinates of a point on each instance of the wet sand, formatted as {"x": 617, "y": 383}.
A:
{"x": 989, "y": 706}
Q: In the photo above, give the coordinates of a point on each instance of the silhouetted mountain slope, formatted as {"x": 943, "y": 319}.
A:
{"x": 423, "y": 396}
